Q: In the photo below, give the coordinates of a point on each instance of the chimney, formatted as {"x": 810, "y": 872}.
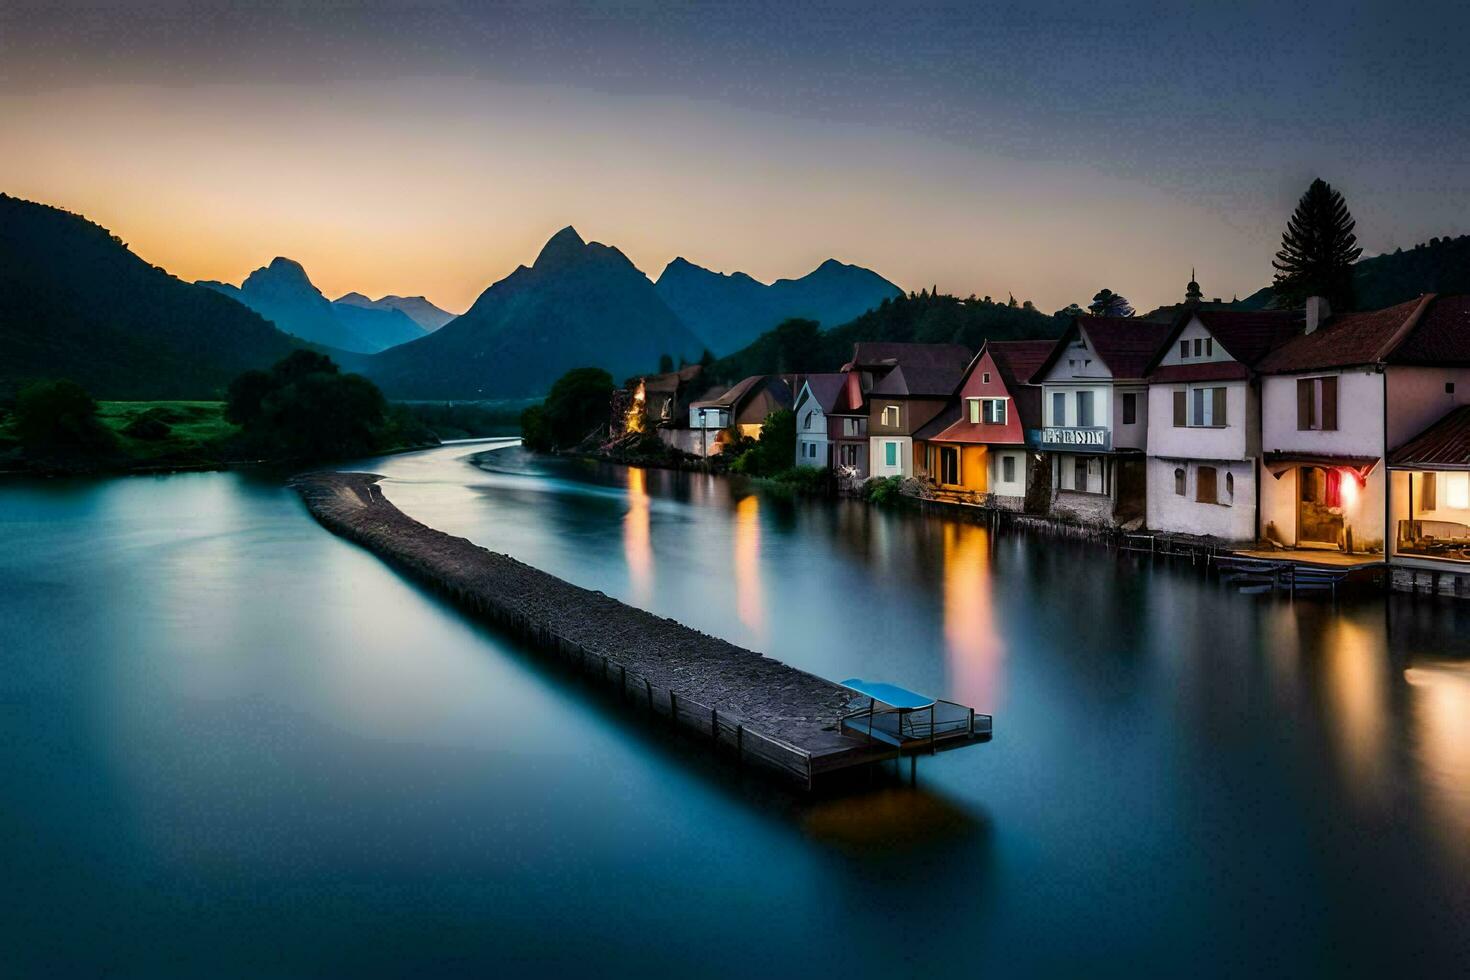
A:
{"x": 1317, "y": 311}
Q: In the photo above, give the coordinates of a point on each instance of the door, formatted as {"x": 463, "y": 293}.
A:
{"x": 949, "y": 465}
{"x": 1319, "y": 507}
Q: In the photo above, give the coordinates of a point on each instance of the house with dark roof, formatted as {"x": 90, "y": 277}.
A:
{"x": 815, "y": 398}
{"x": 1204, "y": 420}
{"x": 1336, "y": 399}
{"x": 889, "y": 391}
{"x": 724, "y": 414}
{"x": 975, "y": 450}
{"x": 1094, "y": 403}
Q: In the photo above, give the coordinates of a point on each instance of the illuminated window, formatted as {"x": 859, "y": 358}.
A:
{"x": 975, "y": 410}
{"x": 1457, "y": 490}
{"x": 890, "y": 415}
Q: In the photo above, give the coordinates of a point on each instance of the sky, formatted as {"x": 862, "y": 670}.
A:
{"x": 1044, "y": 149}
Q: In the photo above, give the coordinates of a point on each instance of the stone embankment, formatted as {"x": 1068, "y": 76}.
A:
{"x": 765, "y": 710}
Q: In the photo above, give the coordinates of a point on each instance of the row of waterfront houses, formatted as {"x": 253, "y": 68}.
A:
{"x": 1290, "y": 430}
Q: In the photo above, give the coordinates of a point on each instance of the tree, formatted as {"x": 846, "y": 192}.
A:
{"x": 708, "y": 357}
{"x": 665, "y": 364}
{"x": 1109, "y": 303}
{"x": 246, "y": 392}
{"x": 59, "y": 417}
{"x": 534, "y": 434}
{"x": 1318, "y": 250}
{"x": 577, "y": 404}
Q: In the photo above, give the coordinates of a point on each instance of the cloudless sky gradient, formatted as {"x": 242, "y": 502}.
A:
{"x": 1044, "y": 149}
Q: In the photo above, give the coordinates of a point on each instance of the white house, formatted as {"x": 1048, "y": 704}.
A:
{"x": 1336, "y": 399}
{"x": 1204, "y": 426}
{"x": 814, "y": 400}
{"x": 1094, "y": 407}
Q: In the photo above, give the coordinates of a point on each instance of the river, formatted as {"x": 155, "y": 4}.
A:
{"x": 234, "y": 744}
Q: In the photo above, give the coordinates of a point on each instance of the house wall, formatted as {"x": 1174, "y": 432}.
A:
{"x": 812, "y": 450}
{"x": 1193, "y": 331}
{"x": 1362, "y": 510}
{"x": 1134, "y": 436}
{"x": 1232, "y": 519}
{"x": 1417, "y": 399}
{"x": 878, "y": 455}
{"x": 1359, "y": 415}
{"x": 1198, "y": 442}
{"x": 861, "y": 448}
{"x": 1001, "y": 487}
{"x": 975, "y": 386}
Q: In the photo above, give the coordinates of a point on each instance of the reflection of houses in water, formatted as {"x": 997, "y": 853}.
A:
{"x": 637, "y": 537}
{"x": 749, "y": 599}
{"x": 972, "y": 641}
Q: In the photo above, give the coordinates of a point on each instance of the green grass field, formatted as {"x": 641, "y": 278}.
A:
{"x": 194, "y": 427}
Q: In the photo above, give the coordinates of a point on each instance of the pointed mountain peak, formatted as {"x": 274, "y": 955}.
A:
{"x": 353, "y": 299}
{"x": 282, "y": 265}
{"x": 562, "y": 247}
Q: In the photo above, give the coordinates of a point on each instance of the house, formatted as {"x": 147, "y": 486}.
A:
{"x": 655, "y": 400}
{"x": 975, "y": 450}
{"x": 1095, "y": 417}
{"x": 1429, "y": 493}
{"x": 1204, "y": 420}
{"x": 723, "y": 414}
{"x": 815, "y": 399}
{"x": 911, "y": 385}
{"x": 1334, "y": 399}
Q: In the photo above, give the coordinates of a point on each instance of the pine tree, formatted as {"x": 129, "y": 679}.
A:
{"x": 1318, "y": 250}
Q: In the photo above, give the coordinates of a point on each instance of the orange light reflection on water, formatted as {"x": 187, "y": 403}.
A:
{"x": 637, "y": 540}
{"x": 749, "y": 602}
{"x": 972, "y": 642}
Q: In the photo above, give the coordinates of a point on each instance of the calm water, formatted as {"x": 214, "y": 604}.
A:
{"x": 233, "y": 744}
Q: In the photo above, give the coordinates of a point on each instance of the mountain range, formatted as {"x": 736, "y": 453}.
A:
{"x": 727, "y": 312}
{"x": 416, "y": 308}
{"x": 75, "y": 302}
{"x": 578, "y": 304}
{"x": 284, "y": 294}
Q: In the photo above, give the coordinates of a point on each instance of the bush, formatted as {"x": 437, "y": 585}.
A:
{"x": 812, "y": 481}
{"x": 151, "y": 425}
{"x": 534, "y": 434}
{"x": 59, "y": 417}
{"x": 883, "y": 490}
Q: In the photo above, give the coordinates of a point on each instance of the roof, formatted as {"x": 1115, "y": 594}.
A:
{"x": 948, "y": 416}
{"x": 1432, "y": 329}
{"x": 825, "y": 389}
{"x": 918, "y": 380}
{"x": 889, "y": 694}
{"x": 1444, "y": 445}
{"x": 1127, "y": 345}
{"x": 1016, "y": 360}
{"x": 1246, "y": 335}
{"x": 671, "y": 380}
{"x": 884, "y": 354}
{"x": 744, "y": 389}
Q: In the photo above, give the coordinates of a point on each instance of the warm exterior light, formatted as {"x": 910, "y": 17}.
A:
{"x": 1349, "y": 488}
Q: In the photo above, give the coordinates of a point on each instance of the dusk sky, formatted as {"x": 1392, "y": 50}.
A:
{"x": 1044, "y": 149}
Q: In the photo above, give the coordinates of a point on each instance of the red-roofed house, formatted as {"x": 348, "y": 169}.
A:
{"x": 1334, "y": 400}
{"x": 891, "y": 391}
{"x": 1204, "y": 426}
{"x": 1095, "y": 417}
{"x": 975, "y": 450}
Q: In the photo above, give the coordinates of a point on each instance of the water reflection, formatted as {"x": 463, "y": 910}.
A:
{"x": 749, "y": 599}
{"x": 1355, "y": 678}
{"x": 1441, "y": 714}
{"x": 974, "y": 645}
{"x": 637, "y": 543}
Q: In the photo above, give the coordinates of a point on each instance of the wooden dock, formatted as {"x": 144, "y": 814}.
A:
{"x": 763, "y": 712}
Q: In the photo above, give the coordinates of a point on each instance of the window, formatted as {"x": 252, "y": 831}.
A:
{"x": 1449, "y": 387}
{"x": 1209, "y": 346}
{"x": 985, "y": 377}
{"x": 890, "y": 454}
{"x": 1207, "y": 407}
{"x": 1079, "y": 473}
{"x": 995, "y": 410}
{"x": 890, "y": 415}
{"x": 1008, "y": 469}
{"x": 1181, "y": 409}
{"x": 1229, "y": 486}
{"x": 1198, "y": 346}
{"x": 1084, "y": 409}
{"x": 1130, "y": 408}
{"x": 1183, "y": 348}
{"x": 974, "y": 410}
{"x": 852, "y": 427}
{"x": 1179, "y": 480}
{"x": 1059, "y": 408}
{"x": 806, "y": 421}
{"x": 1457, "y": 490}
{"x": 1204, "y": 485}
{"x": 1316, "y": 404}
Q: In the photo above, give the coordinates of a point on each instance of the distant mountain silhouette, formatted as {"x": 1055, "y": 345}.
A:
{"x": 1441, "y": 265}
{"x": 416, "y": 308}
{"x": 75, "y": 302}
{"x": 727, "y": 312}
{"x": 284, "y": 294}
{"x": 578, "y": 305}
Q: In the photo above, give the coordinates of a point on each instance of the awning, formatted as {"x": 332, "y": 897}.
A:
{"x": 889, "y": 694}
{"x": 1279, "y": 463}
